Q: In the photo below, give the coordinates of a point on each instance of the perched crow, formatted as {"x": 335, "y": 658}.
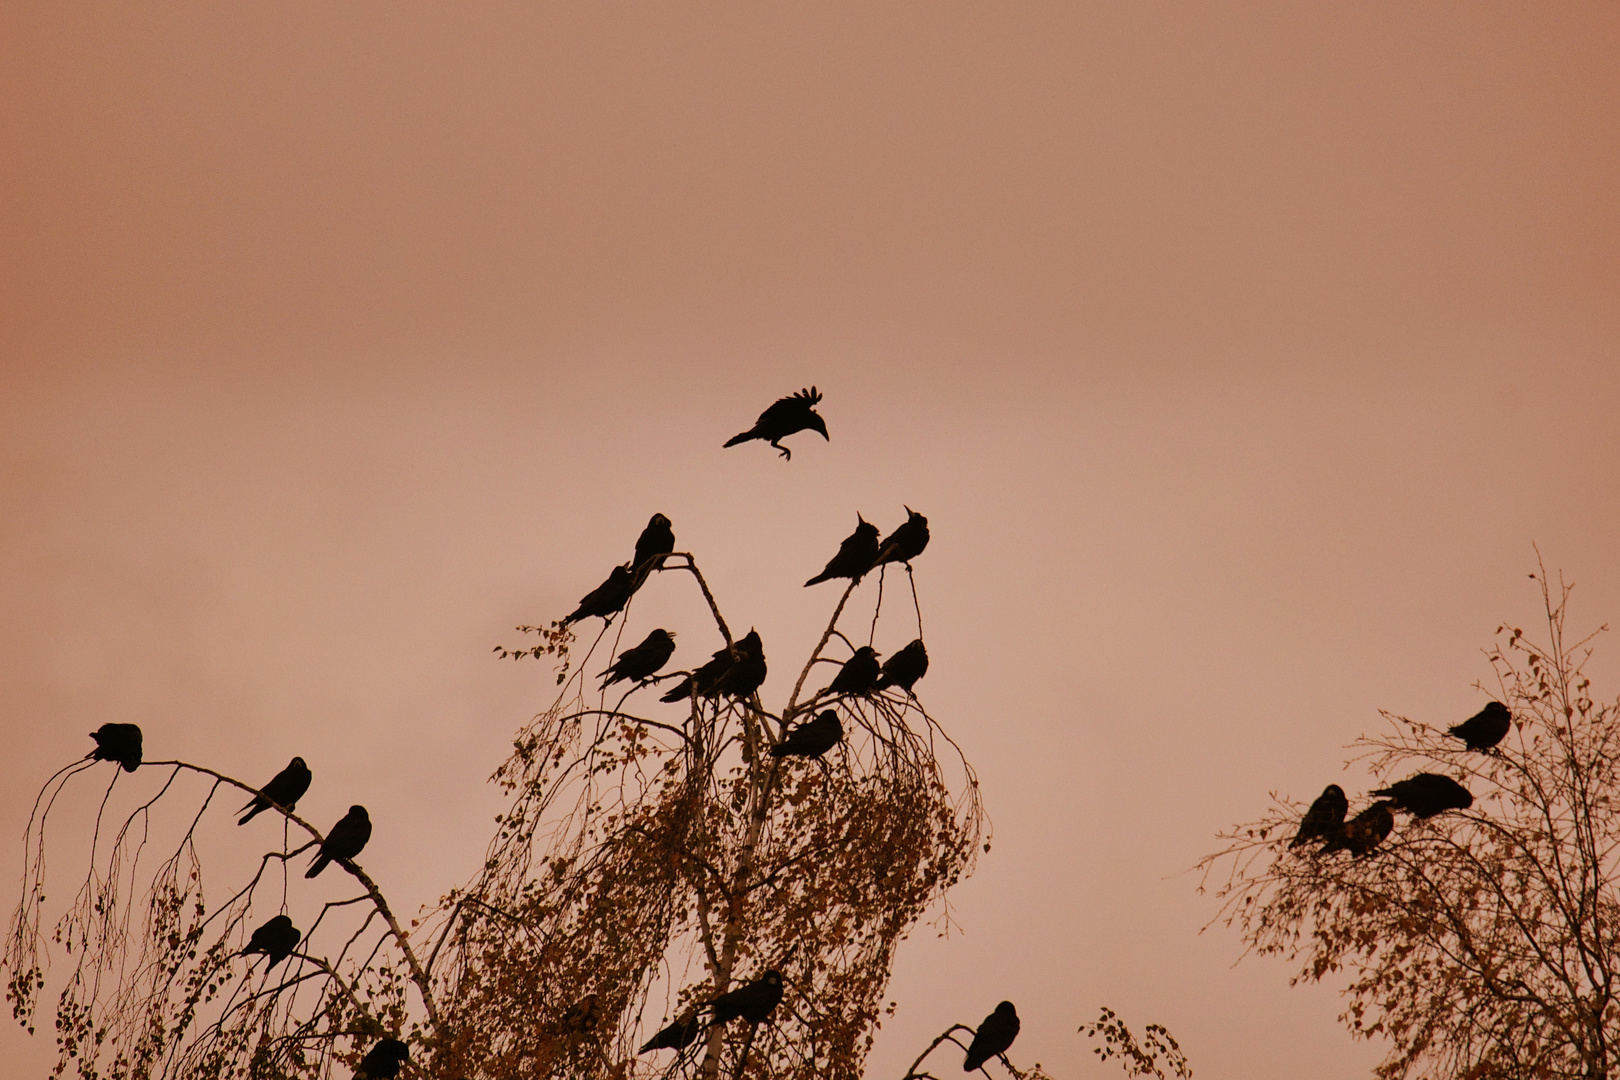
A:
{"x": 1363, "y": 832}
{"x": 753, "y": 1002}
{"x": 118, "y": 742}
{"x": 656, "y": 539}
{"x": 858, "y": 675}
{"x": 607, "y": 598}
{"x": 856, "y": 555}
{"x": 703, "y": 678}
{"x": 677, "y": 1036}
{"x": 786, "y": 416}
{"x": 582, "y": 1015}
{"x": 643, "y": 661}
{"x": 1324, "y": 818}
{"x": 745, "y": 676}
{"x": 284, "y": 790}
{"x": 345, "y": 840}
{"x": 812, "y": 738}
{"x": 906, "y": 542}
{"x": 1485, "y": 728}
{"x": 382, "y": 1062}
{"x": 904, "y": 668}
{"x": 1427, "y": 794}
{"x": 276, "y": 939}
{"x": 997, "y": 1033}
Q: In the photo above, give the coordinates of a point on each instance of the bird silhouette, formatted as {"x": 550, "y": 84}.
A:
{"x": 383, "y": 1061}
{"x": 904, "y": 668}
{"x": 812, "y": 738}
{"x": 608, "y": 598}
{"x": 906, "y": 542}
{"x": 118, "y": 742}
{"x": 997, "y": 1033}
{"x": 656, "y": 539}
{"x": 1324, "y": 818}
{"x": 677, "y": 1036}
{"x": 745, "y": 676}
{"x": 753, "y": 1002}
{"x": 285, "y": 789}
{"x": 345, "y": 840}
{"x": 859, "y": 674}
{"x": 1485, "y": 728}
{"x": 856, "y": 555}
{"x": 1363, "y": 832}
{"x": 643, "y": 661}
{"x": 786, "y": 416}
{"x": 1427, "y": 794}
{"x": 703, "y": 678}
{"x": 276, "y": 939}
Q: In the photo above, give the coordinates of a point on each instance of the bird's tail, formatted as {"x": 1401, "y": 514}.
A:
{"x": 317, "y": 866}
{"x": 256, "y": 808}
{"x": 744, "y": 437}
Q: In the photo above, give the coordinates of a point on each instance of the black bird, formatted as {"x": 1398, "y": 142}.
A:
{"x": 906, "y": 542}
{"x": 1485, "y": 728}
{"x": 786, "y": 416}
{"x": 118, "y": 742}
{"x": 858, "y": 675}
{"x": 1363, "y": 832}
{"x": 997, "y": 1033}
{"x": 1324, "y": 818}
{"x": 345, "y": 840}
{"x": 607, "y": 598}
{"x": 904, "y": 668}
{"x": 703, "y": 678}
{"x": 812, "y": 738}
{"x": 856, "y": 555}
{"x": 753, "y": 1002}
{"x": 677, "y": 1036}
{"x": 284, "y": 790}
{"x": 1427, "y": 794}
{"x": 643, "y": 661}
{"x": 745, "y": 676}
{"x": 656, "y": 539}
{"x": 383, "y": 1061}
{"x": 276, "y": 939}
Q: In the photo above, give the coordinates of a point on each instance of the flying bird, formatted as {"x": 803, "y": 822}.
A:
{"x": 643, "y": 661}
{"x": 745, "y": 676}
{"x": 656, "y": 539}
{"x": 904, "y": 668}
{"x": 677, "y": 1036}
{"x": 858, "y": 675}
{"x": 786, "y": 416}
{"x": 285, "y": 789}
{"x": 997, "y": 1033}
{"x": 1485, "y": 728}
{"x": 753, "y": 1002}
{"x": 276, "y": 939}
{"x": 906, "y": 542}
{"x": 1363, "y": 832}
{"x": 608, "y": 598}
{"x": 1427, "y": 794}
{"x": 812, "y": 738}
{"x": 1324, "y": 818}
{"x": 856, "y": 555}
{"x": 383, "y": 1061}
{"x": 118, "y": 742}
{"x": 345, "y": 840}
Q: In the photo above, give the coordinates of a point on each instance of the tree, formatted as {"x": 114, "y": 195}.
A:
{"x": 1483, "y": 943}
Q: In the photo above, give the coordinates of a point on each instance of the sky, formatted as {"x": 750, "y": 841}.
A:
{"x": 1242, "y": 357}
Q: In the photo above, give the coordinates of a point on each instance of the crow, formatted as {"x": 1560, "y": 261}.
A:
{"x": 276, "y": 939}
{"x": 703, "y": 678}
{"x": 643, "y": 661}
{"x": 608, "y": 598}
{"x": 812, "y": 738}
{"x": 906, "y": 542}
{"x": 904, "y": 668}
{"x": 656, "y": 539}
{"x": 382, "y": 1062}
{"x": 1363, "y": 832}
{"x": 1324, "y": 818}
{"x": 745, "y": 676}
{"x": 856, "y": 555}
{"x": 1485, "y": 728}
{"x": 753, "y": 1002}
{"x": 677, "y": 1036}
{"x": 997, "y": 1033}
{"x": 345, "y": 840}
{"x": 284, "y": 790}
{"x": 786, "y": 416}
{"x": 858, "y": 675}
{"x": 1427, "y": 794}
{"x": 117, "y": 742}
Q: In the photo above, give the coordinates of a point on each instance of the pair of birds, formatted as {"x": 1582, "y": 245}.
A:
{"x": 862, "y": 551}
{"x": 346, "y": 838}
{"x": 734, "y": 672}
{"x": 862, "y": 675}
{"x": 610, "y": 597}
{"x": 752, "y": 1002}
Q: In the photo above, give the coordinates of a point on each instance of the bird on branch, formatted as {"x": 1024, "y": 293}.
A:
{"x": 856, "y": 555}
{"x": 904, "y": 668}
{"x": 859, "y": 675}
{"x": 656, "y": 539}
{"x": 1324, "y": 818}
{"x": 753, "y": 1002}
{"x": 906, "y": 542}
{"x": 118, "y": 742}
{"x": 677, "y": 1036}
{"x": 284, "y": 790}
{"x": 276, "y": 939}
{"x": 1485, "y": 728}
{"x": 383, "y": 1061}
{"x": 997, "y": 1033}
{"x": 1363, "y": 832}
{"x": 812, "y": 738}
{"x": 785, "y": 417}
{"x": 1427, "y": 794}
{"x": 608, "y": 598}
{"x": 643, "y": 661}
{"x": 345, "y": 841}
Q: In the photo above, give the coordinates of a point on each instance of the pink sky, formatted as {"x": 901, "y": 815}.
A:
{"x": 1237, "y": 355}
